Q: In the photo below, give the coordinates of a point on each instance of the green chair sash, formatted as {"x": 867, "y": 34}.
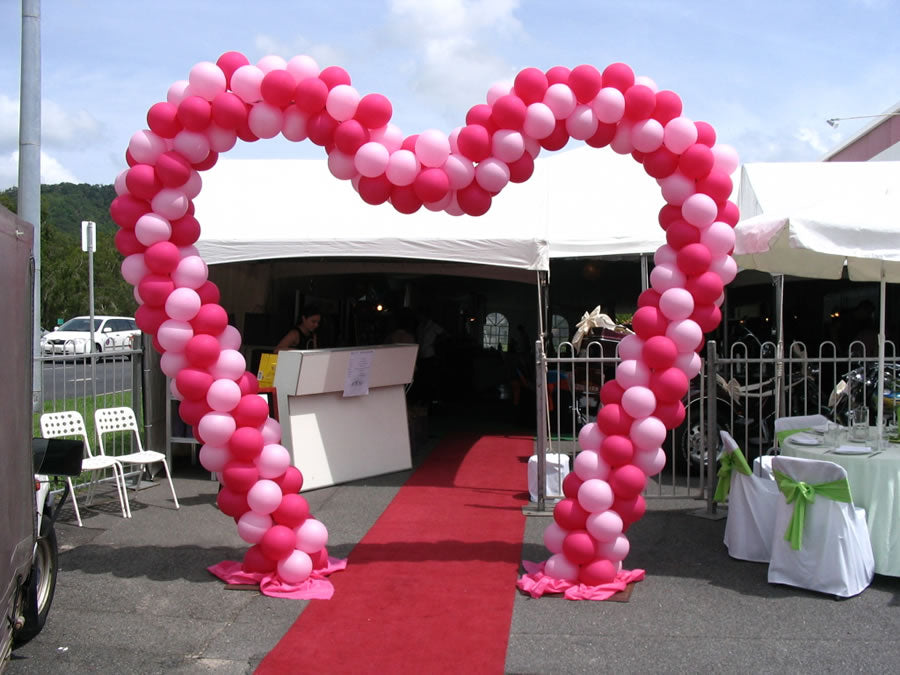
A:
{"x": 801, "y": 494}
{"x": 729, "y": 462}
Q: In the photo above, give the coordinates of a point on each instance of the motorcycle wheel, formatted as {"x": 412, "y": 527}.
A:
{"x": 689, "y": 440}
{"x": 40, "y": 585}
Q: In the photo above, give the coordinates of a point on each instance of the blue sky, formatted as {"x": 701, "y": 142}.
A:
{"x": 766, "y": 74}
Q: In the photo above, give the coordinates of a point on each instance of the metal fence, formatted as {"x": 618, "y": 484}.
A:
{"x": 742, "y": 391}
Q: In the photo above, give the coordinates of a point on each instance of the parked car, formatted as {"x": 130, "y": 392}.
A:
{"x": 111, "y": 334}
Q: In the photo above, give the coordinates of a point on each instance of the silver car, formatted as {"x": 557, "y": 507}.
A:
{"x": 111, "y": 334}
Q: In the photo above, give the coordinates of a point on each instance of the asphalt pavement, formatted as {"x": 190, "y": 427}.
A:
{"x": 134, "y": 596}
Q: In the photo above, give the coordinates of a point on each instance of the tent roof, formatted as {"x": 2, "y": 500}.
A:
{"x": 810, "y": 218}
{"x": 577, "y": 204}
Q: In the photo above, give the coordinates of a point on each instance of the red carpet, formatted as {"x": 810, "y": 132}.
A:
{"x": 430, "y": 588}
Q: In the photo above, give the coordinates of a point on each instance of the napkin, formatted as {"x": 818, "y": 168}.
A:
{"x": 852, "y": 450}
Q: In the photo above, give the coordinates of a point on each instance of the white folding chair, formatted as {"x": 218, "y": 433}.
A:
{"x": 68, "y": 424}
{"x": 784, "y": 426}
{"x": 110, "y": 420}
{"x": 752, "y": 502}
{"x": 832, "y": 552}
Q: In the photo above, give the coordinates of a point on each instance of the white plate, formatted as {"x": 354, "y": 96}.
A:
{"x": 852, "y": 450}
{"x": 820, "y": 428}
{"x": 805, "y": 439}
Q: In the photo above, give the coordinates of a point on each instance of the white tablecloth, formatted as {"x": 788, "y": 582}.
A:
{"x": 875, "y": 486}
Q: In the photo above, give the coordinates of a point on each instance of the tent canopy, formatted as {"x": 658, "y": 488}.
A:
{"x": 581, "y": 203}
{"x": 809, "y": 219}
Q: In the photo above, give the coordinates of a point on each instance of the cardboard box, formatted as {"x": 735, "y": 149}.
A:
{"x": 266, "y": 373}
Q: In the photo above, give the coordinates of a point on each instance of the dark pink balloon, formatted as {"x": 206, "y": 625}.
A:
{"x": 127, "y": 244}
{"x": 729, "y": 213}
{"x": 558, "y": 75}
{"x": 126, "y": 209}
{"x": 239, "y": 476}
{"x": 616, "y": 450}
{"x": 680, "y": 233}
{"x": 148, "y": 318}
{"x": 569, "y": 515}
{"x": 705, "y": 133}
{"x": 696, "y": 162}
{"x": 649, "y": 321}
{"x": 717, "y": 184}
{"x": 292, "y": 511}
{"x": 278, "y": 542}
{"x": 193, "y": 383}
{"x": 694, "y": 259}
{"x": 705, "y": 288}
{"x": 585, "y": 82}
{"x": 332, "y": 76}
{"x": 211, "y": 319}
{"x": 508, "y": 112}
{"x": 162, "y": 257}
{"x": 627, "y": 481}
{"x": 640, "y": 101}
{"x": 707, "y": 316}
{"x": 375, "y": 190}
{"x": 669, "y": 384}
{"x": 598, "y": 572}
{"x": 228, "y": 110}
{"x": 660, "y": 163}
{"x": 474, "y": 200}
{"x": 162, "y": 118}
{"x": 612, "y": 419}
{"x": 668, "y": 106}
{"x": 195, "y": 113}
{"x": 185, "y": 231}
{"x": 630, "y": 510}
{"x": 172, "y": 169}
{"x": 578, "y": 547}
{"x": 648, "y": 298}
{"x": 251, "y": 411}
{"x": 248, "y": 384}
{"x": 154, "y": 289}
{"x": 431, "y": 185}
{"x": 670, "y": 413}
{"x": 246, "y": 443}
{"x": 230, "y": 62}
{"x": 207, "y": 163}
{"x": 141, "y": 181}
{"x": 618, "y": 75}
{"x": 558, "y": 137}
{"x": 409, "y": 143}
{"x": 611, "y": 392}
{"x": 202, "y": 351}
{"x": 291, "y": 481}
{"x": 481, "y": 114}
{"x": 209, "y": 293}
{"x": 191, "y": 412}
{"x": 570, "y": 485}
{"x": 232, "y": 503}
{"x": 255, "y": 560}
{"x": 310, "y": 95}
{"x": 522, "y": 169}
{"x": 474, "y": 142}
{"x": 659, "y": 352}
{"x": 349, "y": 136}
{"x": 374, "y": 111}
{"x": 321, "y": 128}
{"x": 405, "y": 200}
{"x": 277, "y": 88}
{"x": 530, "y": 85}
{"x": 668, "y": 214}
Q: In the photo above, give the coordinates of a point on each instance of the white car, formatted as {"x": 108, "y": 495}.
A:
{"x": 111, "y": 334}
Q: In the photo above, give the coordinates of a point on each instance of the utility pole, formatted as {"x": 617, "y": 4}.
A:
{"x": 29, "y": 195}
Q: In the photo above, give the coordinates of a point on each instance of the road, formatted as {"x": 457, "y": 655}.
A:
{"x": 74, "y": 379}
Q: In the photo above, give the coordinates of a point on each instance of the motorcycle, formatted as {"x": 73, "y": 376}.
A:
{"x": 52, "y": 457}
{"x": 859, "y": 388}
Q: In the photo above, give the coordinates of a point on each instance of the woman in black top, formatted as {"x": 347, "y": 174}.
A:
{"x": 303, "y": 335}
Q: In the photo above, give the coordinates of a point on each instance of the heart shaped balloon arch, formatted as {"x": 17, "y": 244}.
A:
{"x": 460, "y": 174}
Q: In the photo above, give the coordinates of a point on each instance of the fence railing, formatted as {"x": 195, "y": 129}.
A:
{"x": 743, "y": 392}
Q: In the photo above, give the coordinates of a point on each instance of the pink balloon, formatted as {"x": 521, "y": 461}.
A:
{"x": 718, "y": 238}
{"x": 172, "y": 362}
{"x": 561, "y": 100}
{"x": 432, "y": 148}
{"x": 614, "y": 550}
{"x": 402, "y": 167}
{"x": 666, "y": 276}
{"x": 229, "y": 366}
{"x": 539, "y": 121}
{"x": 216, "y": 427}
{"x": 609, "y": 105}
{"x": 588, "y": 464}
{"x": 372, "y": 159}
{"x": 246, "y": 81}
{"x": 273, "y": 460}
{"x": 182, "y": 304}
{"x": 311, "y": 535}
{"x": 177, "y": 92}
{"x": 639, "y": 401}
{"x": 647, "y": 433}
{"x": 265, "y": 120}
{"x": 680, "y": 134}
{"x": 677, "y": 187}
{"x": 146, "y": 147}
{"x": 207, "y": 80}
{"x": 507, "y": 145}
{"x": 725, "y": 158}
{"x": 604, "y": 525}
{"x": 173, "y": 335}
{"x": 191, "y": 272}
{"x": 621, "y": 141}
{"x": 192, "y": 145}
{"x": 647, "y": 135}
{"x": 559, "y": 567}
{"x": 725, "y": 267}
{"x": 342, "y": 102}
{"x": 582, "y": 123}
{"x": 341, "y": 165}
{"x": 595, "y": 495}
{"x": 294, "y": 127}
{"x": 630, "y": 347}
{"x": 271, "y": 62}
{"x": 699, "y": 210}
{"x": 459, "y": 170}
{"x": 213, "y": 458}
{"x": 492, "y": 174}
{"x": 152, "y": 228}
{"x": 170, "y": 203}
{"x": 223, "y": 395}
{"x": 252, "y": 526}
{"x": 676, "y": 304}
{"x": 632, "y": 373}
{"x": 689, "y": 363}
{"x": 496, "y": 91}
{"x": 295, "y": 568}
{"x": 271, "y": 431}
{"x": 590, "y": 436}
{"x": 685, "y": 333}
{"x": 651, "y": 462}
{"x": 302, "y": 67}
{"x": 553, "y": 537}
{"x": 264, "y": 497}
{"x": 390, "y": 136}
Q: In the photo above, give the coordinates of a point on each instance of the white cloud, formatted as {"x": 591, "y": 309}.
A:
{"x": 52, "y": 171}
{"x": 324, "y": 55}
{"x": 60, "y": 128}
{"x": 813, "y": 139}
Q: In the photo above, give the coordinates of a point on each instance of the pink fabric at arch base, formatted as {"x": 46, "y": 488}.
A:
{"x": 536, "y": 583}
{"x": 315, "y": 587}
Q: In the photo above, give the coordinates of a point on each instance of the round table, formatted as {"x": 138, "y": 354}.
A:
{"x": 874, "y": 485}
